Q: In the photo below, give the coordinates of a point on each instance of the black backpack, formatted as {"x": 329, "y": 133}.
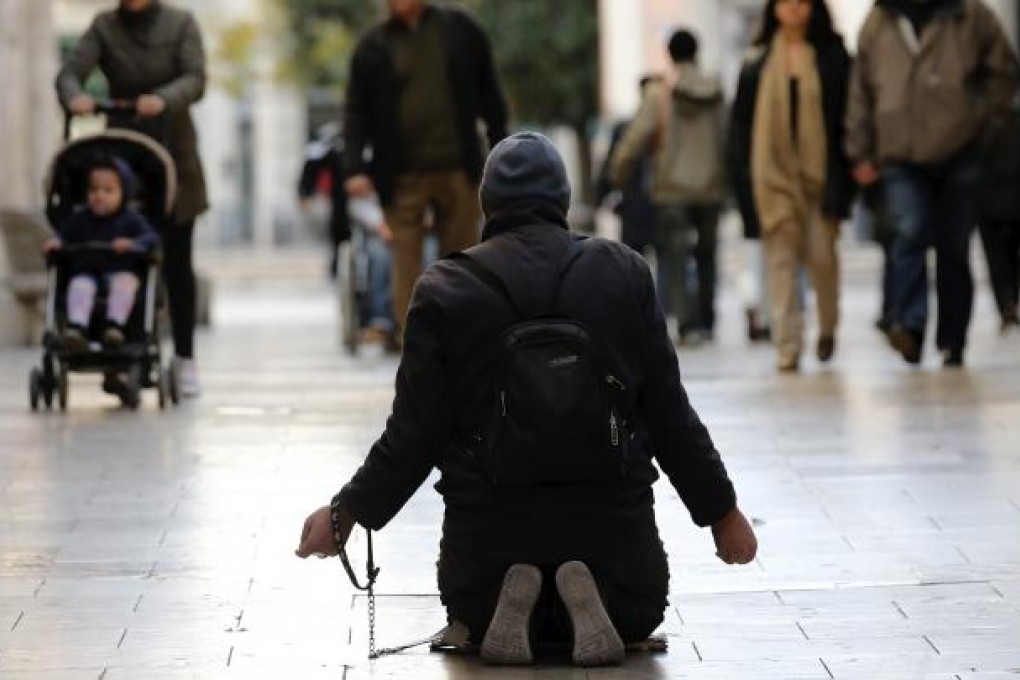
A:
{"x": 558, "y": 413}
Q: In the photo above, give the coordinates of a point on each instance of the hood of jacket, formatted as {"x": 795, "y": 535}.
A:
{"x": 693, "y": 91}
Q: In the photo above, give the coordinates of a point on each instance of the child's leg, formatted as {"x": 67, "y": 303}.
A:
{"x": 123, "y": 288}
{"x": 81, "y": 294}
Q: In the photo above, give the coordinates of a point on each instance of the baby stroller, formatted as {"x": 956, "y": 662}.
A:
{"x": 138, "y": 364}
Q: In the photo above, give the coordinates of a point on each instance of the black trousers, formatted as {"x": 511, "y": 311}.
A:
{"x": 633, "y": 581}
{"x": 179, "y": 275}
{"x": 1001, "y": 240}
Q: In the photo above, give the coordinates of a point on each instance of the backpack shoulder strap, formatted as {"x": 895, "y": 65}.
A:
{"x": 488, "y": 277}
{"x": 497, "y": 285}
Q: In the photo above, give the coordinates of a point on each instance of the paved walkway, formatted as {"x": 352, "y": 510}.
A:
{"x": 159, "y": 545}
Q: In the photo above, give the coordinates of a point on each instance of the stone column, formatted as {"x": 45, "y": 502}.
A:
{"x": 28, "y": 123}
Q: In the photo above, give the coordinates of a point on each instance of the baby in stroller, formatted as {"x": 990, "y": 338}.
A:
{"x": 106, "y": 218}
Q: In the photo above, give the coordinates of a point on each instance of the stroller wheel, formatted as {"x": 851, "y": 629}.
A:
{"x": 347, "y": 296}
{"x": 62, "y": 386}
{"x": 170, "y": 379}
{"x": 161, "y": 387}
{"x": 48, "y": 381}
{"x": 34, "y": 388}
{"x": 132, "y": 396}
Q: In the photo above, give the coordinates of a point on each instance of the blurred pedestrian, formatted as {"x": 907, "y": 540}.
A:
{"x": 322, "y": 175}
{"x": 929, "y": 78}
{"x": 152, "y": 55}
{"x": 420, "y": 83}
{"x": 632, "y": 203}
{"x": 790, "y": 174}
{"x": 1000, "y": 217}
{"x": 682, "y": 121}
{"x": 549, "y": 532}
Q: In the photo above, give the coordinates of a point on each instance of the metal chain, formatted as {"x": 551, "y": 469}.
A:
{"x": 372, "y": 654}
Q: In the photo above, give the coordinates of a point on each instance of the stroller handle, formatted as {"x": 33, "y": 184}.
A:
{"x": 102, "y": 106}
{"x": 115, "y": 106}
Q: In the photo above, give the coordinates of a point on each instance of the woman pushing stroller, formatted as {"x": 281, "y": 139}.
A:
{"x": 106, "y": 218}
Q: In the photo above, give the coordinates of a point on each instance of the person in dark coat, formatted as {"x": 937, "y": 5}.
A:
{"x": 634, "y": 206}
{"x": 1000, "y": 217}
{"x": 152, "y": 55}
{"x": 791, "y": 177}
{"x": 421, "y": 83}
{"x": 323, "y": 172}
{"x": 501, "y": 543}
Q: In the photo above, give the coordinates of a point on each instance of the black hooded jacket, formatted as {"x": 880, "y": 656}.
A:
{"x": 443, "y": 393}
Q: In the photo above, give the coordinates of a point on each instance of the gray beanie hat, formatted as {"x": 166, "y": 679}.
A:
{"x": 524, "y": 167}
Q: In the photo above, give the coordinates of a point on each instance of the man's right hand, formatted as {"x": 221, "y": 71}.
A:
{"x": 359, "y": 186}
{"x": 317, "y": 537}
{"x": 81, "y": 105}
{"x": 865, "y": 173}
{"x": 51, "y": 244}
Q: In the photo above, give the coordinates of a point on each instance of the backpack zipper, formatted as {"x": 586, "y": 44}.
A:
{"x": 502, "y": 402}
{"x": 614, "y": 430}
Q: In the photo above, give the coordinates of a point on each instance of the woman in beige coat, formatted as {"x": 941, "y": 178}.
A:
{"x": 152, "y": 55}
{"x": 789, "y": 171}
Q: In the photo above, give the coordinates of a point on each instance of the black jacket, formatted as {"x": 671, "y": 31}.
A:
{"x": 443, "y": 393}
{"x": 1000, "y": 200}
{"x": 372, "y": 102}
{"x": 834, "y": 72}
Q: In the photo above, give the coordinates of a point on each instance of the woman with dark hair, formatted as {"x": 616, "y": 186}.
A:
{"x": 791, "y": 179}
{"x": 152, "y": 55}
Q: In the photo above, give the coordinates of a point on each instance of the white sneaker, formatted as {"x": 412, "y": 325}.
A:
{"x": 187, "y": 378}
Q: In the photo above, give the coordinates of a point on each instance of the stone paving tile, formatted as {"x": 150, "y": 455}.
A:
{"x": 159, "y": 545}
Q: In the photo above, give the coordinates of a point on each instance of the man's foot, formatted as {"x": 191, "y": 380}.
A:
{"x": 187, "y": 377}
{"x": 883, "y": 325}
{"x": 791, "y": 365}
{"x": 113, "y": 336}
{"x": 507, "y": 641}
{"x": 907, "y": 343}
{"x": 756, "y": 331}
{"x": 826, "y": 348}
{"x": 596, "y": 642}
{"x": 1010, "y": 324}
{"x": 74, "y": 338}
{"x": 952, "y": 358}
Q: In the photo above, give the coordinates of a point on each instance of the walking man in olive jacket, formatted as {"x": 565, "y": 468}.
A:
{"x": 421, "y": 81}
{"x": 929, "y": 78}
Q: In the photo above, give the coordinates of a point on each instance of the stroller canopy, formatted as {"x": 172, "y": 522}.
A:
{"x": 67, "y": 182}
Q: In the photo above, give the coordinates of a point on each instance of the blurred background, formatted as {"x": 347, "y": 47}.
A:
{"x": 278, "y": 70}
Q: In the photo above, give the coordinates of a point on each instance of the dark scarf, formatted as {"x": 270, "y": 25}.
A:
{"x": 138, "y": 20}
{"x": 920, "y": 12}
{"x": 522, "y": 214}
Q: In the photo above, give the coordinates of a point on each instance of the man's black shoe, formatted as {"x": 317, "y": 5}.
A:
{"x": 907, "y": 343}
{"x": 952, "y": 358}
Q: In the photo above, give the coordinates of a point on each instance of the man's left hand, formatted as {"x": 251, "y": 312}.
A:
{"x": 735, "y": 541}
{"x": 150, "y": 105}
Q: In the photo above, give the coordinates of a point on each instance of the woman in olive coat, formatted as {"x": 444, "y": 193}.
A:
{"x": 152, "y": 55}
